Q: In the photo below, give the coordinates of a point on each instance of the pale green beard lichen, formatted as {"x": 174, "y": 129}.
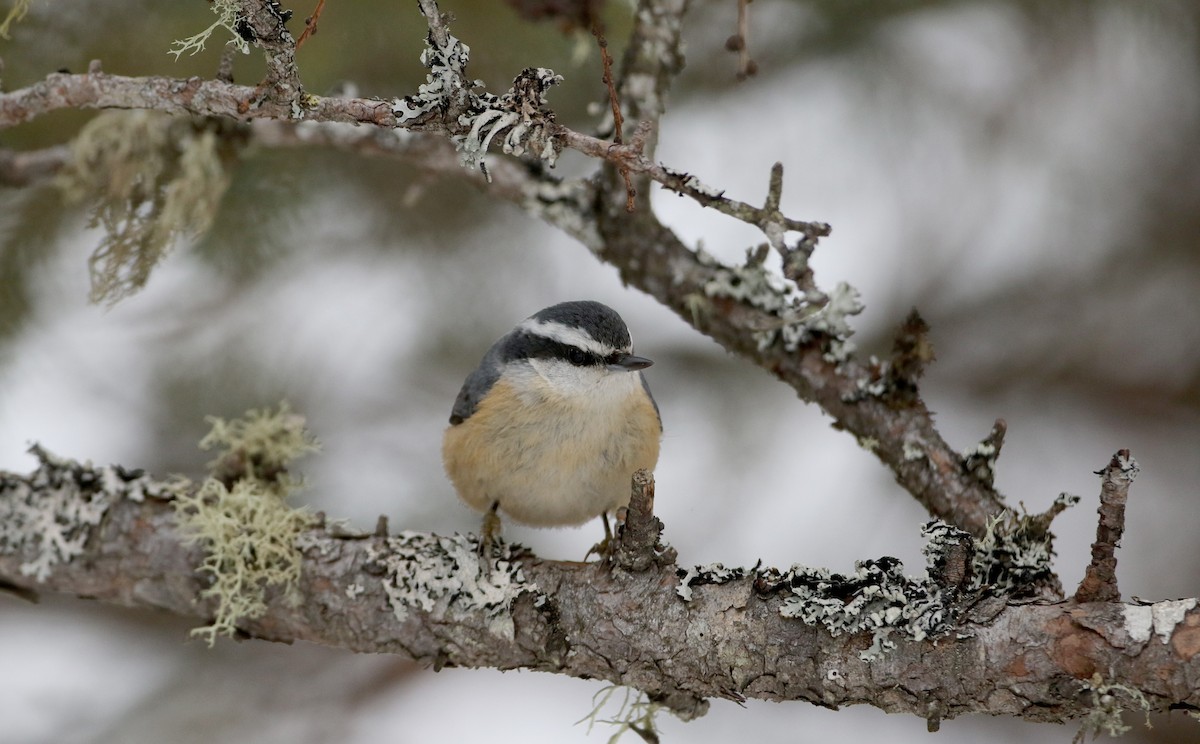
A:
{"x": 15, "y": 15}
{"x": 150, "y": 178}
{"x": 636, "y": 713}
{"x": 241, "y": 517}
{"x": 227, "y": 18}
{"x": 259, "y": 446}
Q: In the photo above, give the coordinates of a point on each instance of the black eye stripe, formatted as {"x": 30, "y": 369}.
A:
{"x": 533, "y": 346}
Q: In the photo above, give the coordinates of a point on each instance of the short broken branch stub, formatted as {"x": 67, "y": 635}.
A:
{"x": 1100, "y": 581}
{"x": 638, "y": 545}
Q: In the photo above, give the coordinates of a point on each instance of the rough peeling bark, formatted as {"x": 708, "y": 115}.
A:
{"x": 1036, "y": 661}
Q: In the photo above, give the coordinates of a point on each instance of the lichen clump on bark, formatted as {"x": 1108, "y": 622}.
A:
{"x": 241, "y": 516}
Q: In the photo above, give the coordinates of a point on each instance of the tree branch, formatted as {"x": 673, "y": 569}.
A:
{"x": 800, "y": 334}
{"x": 114, "y": 537}
{"x": 21, "y": 169}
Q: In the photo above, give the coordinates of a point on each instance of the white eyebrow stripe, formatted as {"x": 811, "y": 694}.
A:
{"x": 565, "y": 334}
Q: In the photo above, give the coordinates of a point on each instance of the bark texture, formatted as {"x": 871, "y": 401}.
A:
{"x": 607, "y": 621}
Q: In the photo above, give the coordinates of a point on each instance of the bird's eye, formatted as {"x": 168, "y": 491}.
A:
{"x": 578, "y": 357}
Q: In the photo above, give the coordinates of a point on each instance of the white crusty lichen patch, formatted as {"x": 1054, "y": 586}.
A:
{"x": 48, "y": 516}
{"x": 1160, "y": 618}
{"x": 714, "y": 573}
{"x": 443, "y": 575}
{"x": 519, "y": 116}
{"x": 914, "y": 449}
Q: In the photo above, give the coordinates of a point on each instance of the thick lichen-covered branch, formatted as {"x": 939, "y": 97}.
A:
{"x": 694, "y": 635}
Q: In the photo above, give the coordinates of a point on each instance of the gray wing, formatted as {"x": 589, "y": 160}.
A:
{"x": 477, "y": 386}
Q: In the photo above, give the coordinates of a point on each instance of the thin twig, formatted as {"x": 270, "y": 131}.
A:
{"x": 618, "y": 119}
{"x": 631, "y": 157}
{"x": 310, "y": 24}
{"x": 740, "y": 42}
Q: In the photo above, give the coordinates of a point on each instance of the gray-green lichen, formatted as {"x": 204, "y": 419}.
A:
{"x": 259, "y": 446}
{"x": 1106, "y": 711}
{"x": 15, "y": 14}
{"x": 239, "y": 515}
{"x": 714, "y": 573}
{"x": 519, "y": 117}
{"x": 227, "y": 18}
{"x": 800, "y": 316}
{"x": 49, "y": 515}
{"x": 150, "y": 178}
{"x": 636, "y": 712}
{"x": 443, "y": 575}
{"x": 877, "y": 597}
{"x": 1016, "y": 552}
{"x": 980, "y": 461}
{"x": 1013, "y": 558}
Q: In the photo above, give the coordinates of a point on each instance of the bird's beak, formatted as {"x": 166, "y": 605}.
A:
{"x": 629, "y": 363}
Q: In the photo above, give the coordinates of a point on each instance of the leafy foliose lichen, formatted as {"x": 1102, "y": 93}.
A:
{"x": 241, "y": 518}
{"x": 150, "y": 178}
{"x": 519, "y": 117}
{"x": 877, "y": 597}
{"x": 439, "y": 575}
{"x": 1011, "y": 559}
{"x": 1015, "y": 554}
{"x": 714, "y": 573}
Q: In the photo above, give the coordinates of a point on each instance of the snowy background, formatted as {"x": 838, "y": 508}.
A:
{"x": 1025, "y": 175}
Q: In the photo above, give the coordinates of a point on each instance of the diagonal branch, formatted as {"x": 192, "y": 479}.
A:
{"x": 798, "y": 332}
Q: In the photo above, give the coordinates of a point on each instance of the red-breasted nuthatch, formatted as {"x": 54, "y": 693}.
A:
{"x": 552, "y": 424}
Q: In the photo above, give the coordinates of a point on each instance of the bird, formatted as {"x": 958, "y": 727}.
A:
{"x": 550, "y": 427}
